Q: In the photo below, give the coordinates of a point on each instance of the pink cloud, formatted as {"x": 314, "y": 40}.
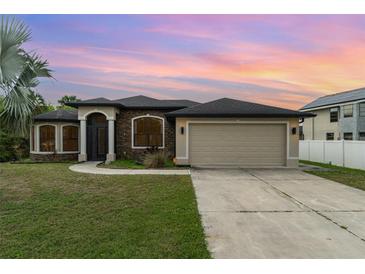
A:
{"x": 326, "y": 63}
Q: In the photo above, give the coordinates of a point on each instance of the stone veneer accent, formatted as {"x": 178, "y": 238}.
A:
{"x": 53, "y": 157}
{"x": 124, "y": 135}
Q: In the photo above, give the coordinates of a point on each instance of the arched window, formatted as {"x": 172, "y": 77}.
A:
{"x": 70, "y": 138}
{"x": 147, "y": 132}
{"x": 47, "y": 138}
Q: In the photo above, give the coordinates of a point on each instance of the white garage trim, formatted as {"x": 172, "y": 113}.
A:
{"x": 187, "y": 126}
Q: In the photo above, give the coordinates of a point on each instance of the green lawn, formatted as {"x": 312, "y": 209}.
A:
{"x": 347, "y": 176}
{"x": 47, "y": 211}
{"x": 131, "y": 164}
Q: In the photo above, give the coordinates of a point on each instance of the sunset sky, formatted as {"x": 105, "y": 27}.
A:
{"x": 282, "y": 60}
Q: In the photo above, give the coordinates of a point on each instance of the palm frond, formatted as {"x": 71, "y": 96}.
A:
{"x": 19, "y": 72}
{"x": 17, "y": 110}
{"x": 39, "y": 65}
{"x": 12, "y": 34}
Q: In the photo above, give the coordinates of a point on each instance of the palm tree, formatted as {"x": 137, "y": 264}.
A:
{"x": 19, "y": 72}
{"x": 67, "y": 99}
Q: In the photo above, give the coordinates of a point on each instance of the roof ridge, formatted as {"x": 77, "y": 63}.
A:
{"x": 134, "y": 96}
{"x": 228, "y": 107}
{"x": 341, "y": 92}
{"x": 176, "y": 100}
{"x": 258, "y": 104}
{"x": 200, "y": 104}
{"x": 98, "y": 98}
{"x": 336, "y": 98}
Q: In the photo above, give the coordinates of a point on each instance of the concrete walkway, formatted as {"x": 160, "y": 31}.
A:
{"x": 279, "y": 213}
{"x": 91, "y": 168}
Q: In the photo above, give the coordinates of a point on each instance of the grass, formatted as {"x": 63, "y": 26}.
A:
{"x": 348, "y": 176}
{"x": 131, "y": 164}
{"x": 47, "y": 211}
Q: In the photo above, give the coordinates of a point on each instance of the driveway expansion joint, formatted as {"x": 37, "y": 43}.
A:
{"x": 318, "y": 212}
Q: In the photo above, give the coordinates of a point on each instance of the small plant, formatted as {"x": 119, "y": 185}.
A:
{"x": 155, "y": 160}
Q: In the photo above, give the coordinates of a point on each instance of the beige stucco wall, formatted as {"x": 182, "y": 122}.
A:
{"x": 181, "y": 139}
{"x": 315, "y": 128}
{"x": 58, "y": 136}
{"x": 109, "y": 111}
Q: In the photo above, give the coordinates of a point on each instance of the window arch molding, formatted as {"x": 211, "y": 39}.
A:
{"x": 108, "y": 113}
{"x": 38, "y": 138}
{"x": 133, "y": 130}
{"x": 61, "y": 150}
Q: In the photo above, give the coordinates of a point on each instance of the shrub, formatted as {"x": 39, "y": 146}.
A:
{"x": 12, "y": 147}
{"x": 155, "y": 160}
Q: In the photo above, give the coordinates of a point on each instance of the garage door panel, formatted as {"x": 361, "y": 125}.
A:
{"x": 237, "y": 144}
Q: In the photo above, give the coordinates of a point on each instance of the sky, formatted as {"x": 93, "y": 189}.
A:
{"x": 280, "y": 60}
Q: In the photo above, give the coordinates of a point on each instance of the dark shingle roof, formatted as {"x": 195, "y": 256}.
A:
{"x": 186, "y": 103}
{"x": 58, "y": 115}
{"x": 226, "y": 107}
{"x": 342, "y": 97}
{"x": 92, "y": 102}
{"x": 139, "y": 101}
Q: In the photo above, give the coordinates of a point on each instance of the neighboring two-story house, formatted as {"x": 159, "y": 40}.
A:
{"x": 338, "y": 116}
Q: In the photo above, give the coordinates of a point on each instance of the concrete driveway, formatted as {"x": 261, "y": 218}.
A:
{"x": 279, "y": 213}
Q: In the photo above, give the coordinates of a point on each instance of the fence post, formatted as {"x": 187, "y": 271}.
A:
{"x": 324, "y": 152}
{"x": 309, "y": 150}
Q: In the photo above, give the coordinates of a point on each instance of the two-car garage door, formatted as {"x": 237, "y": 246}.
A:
{"x": 223, "y": 144}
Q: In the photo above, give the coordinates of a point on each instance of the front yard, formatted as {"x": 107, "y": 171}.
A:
{"x": 343, "y": 175}
{"x": 48, "y": 211}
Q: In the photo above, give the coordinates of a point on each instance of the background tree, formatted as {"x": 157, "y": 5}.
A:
{"x": 40, "y": 104}
{"x": 12, "y": 145}
{"x": 67, "y": 99}
{"x": 19, "y": 73}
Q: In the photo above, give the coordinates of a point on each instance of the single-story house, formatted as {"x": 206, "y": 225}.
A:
{"x": 224, "y": 132}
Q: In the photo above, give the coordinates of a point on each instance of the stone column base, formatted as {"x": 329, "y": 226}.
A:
{"x": 110, "y": 158}
{"x": 82, "y": 157}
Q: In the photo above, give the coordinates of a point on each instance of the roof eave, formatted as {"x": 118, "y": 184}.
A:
{"x": 76, "y": 105}
{"x": 155, "y": 107}
{"x": 55, "y": 120}
{"x": 331, "y": 105}
{"x": 227, "y": 115}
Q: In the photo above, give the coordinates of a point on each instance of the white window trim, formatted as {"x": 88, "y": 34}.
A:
{"x": 58, "y": 138}
{"x": 61, "y": 139}
{"x": 348, "y": 132}
{"x": 188, "y": 123}
{"x": 148, "y": 116}
{"x": 352, "y": 111}
{"x": 38, "y": 140}
{"x": 360, "y": 109}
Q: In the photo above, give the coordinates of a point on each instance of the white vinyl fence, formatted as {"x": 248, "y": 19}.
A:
{"x": 341, "y": 153}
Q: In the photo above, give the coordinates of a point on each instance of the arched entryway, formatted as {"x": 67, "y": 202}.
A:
{"x": 97, "y": 137}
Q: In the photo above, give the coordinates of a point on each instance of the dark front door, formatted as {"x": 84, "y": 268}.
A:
{"x": 97, "y": 137}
